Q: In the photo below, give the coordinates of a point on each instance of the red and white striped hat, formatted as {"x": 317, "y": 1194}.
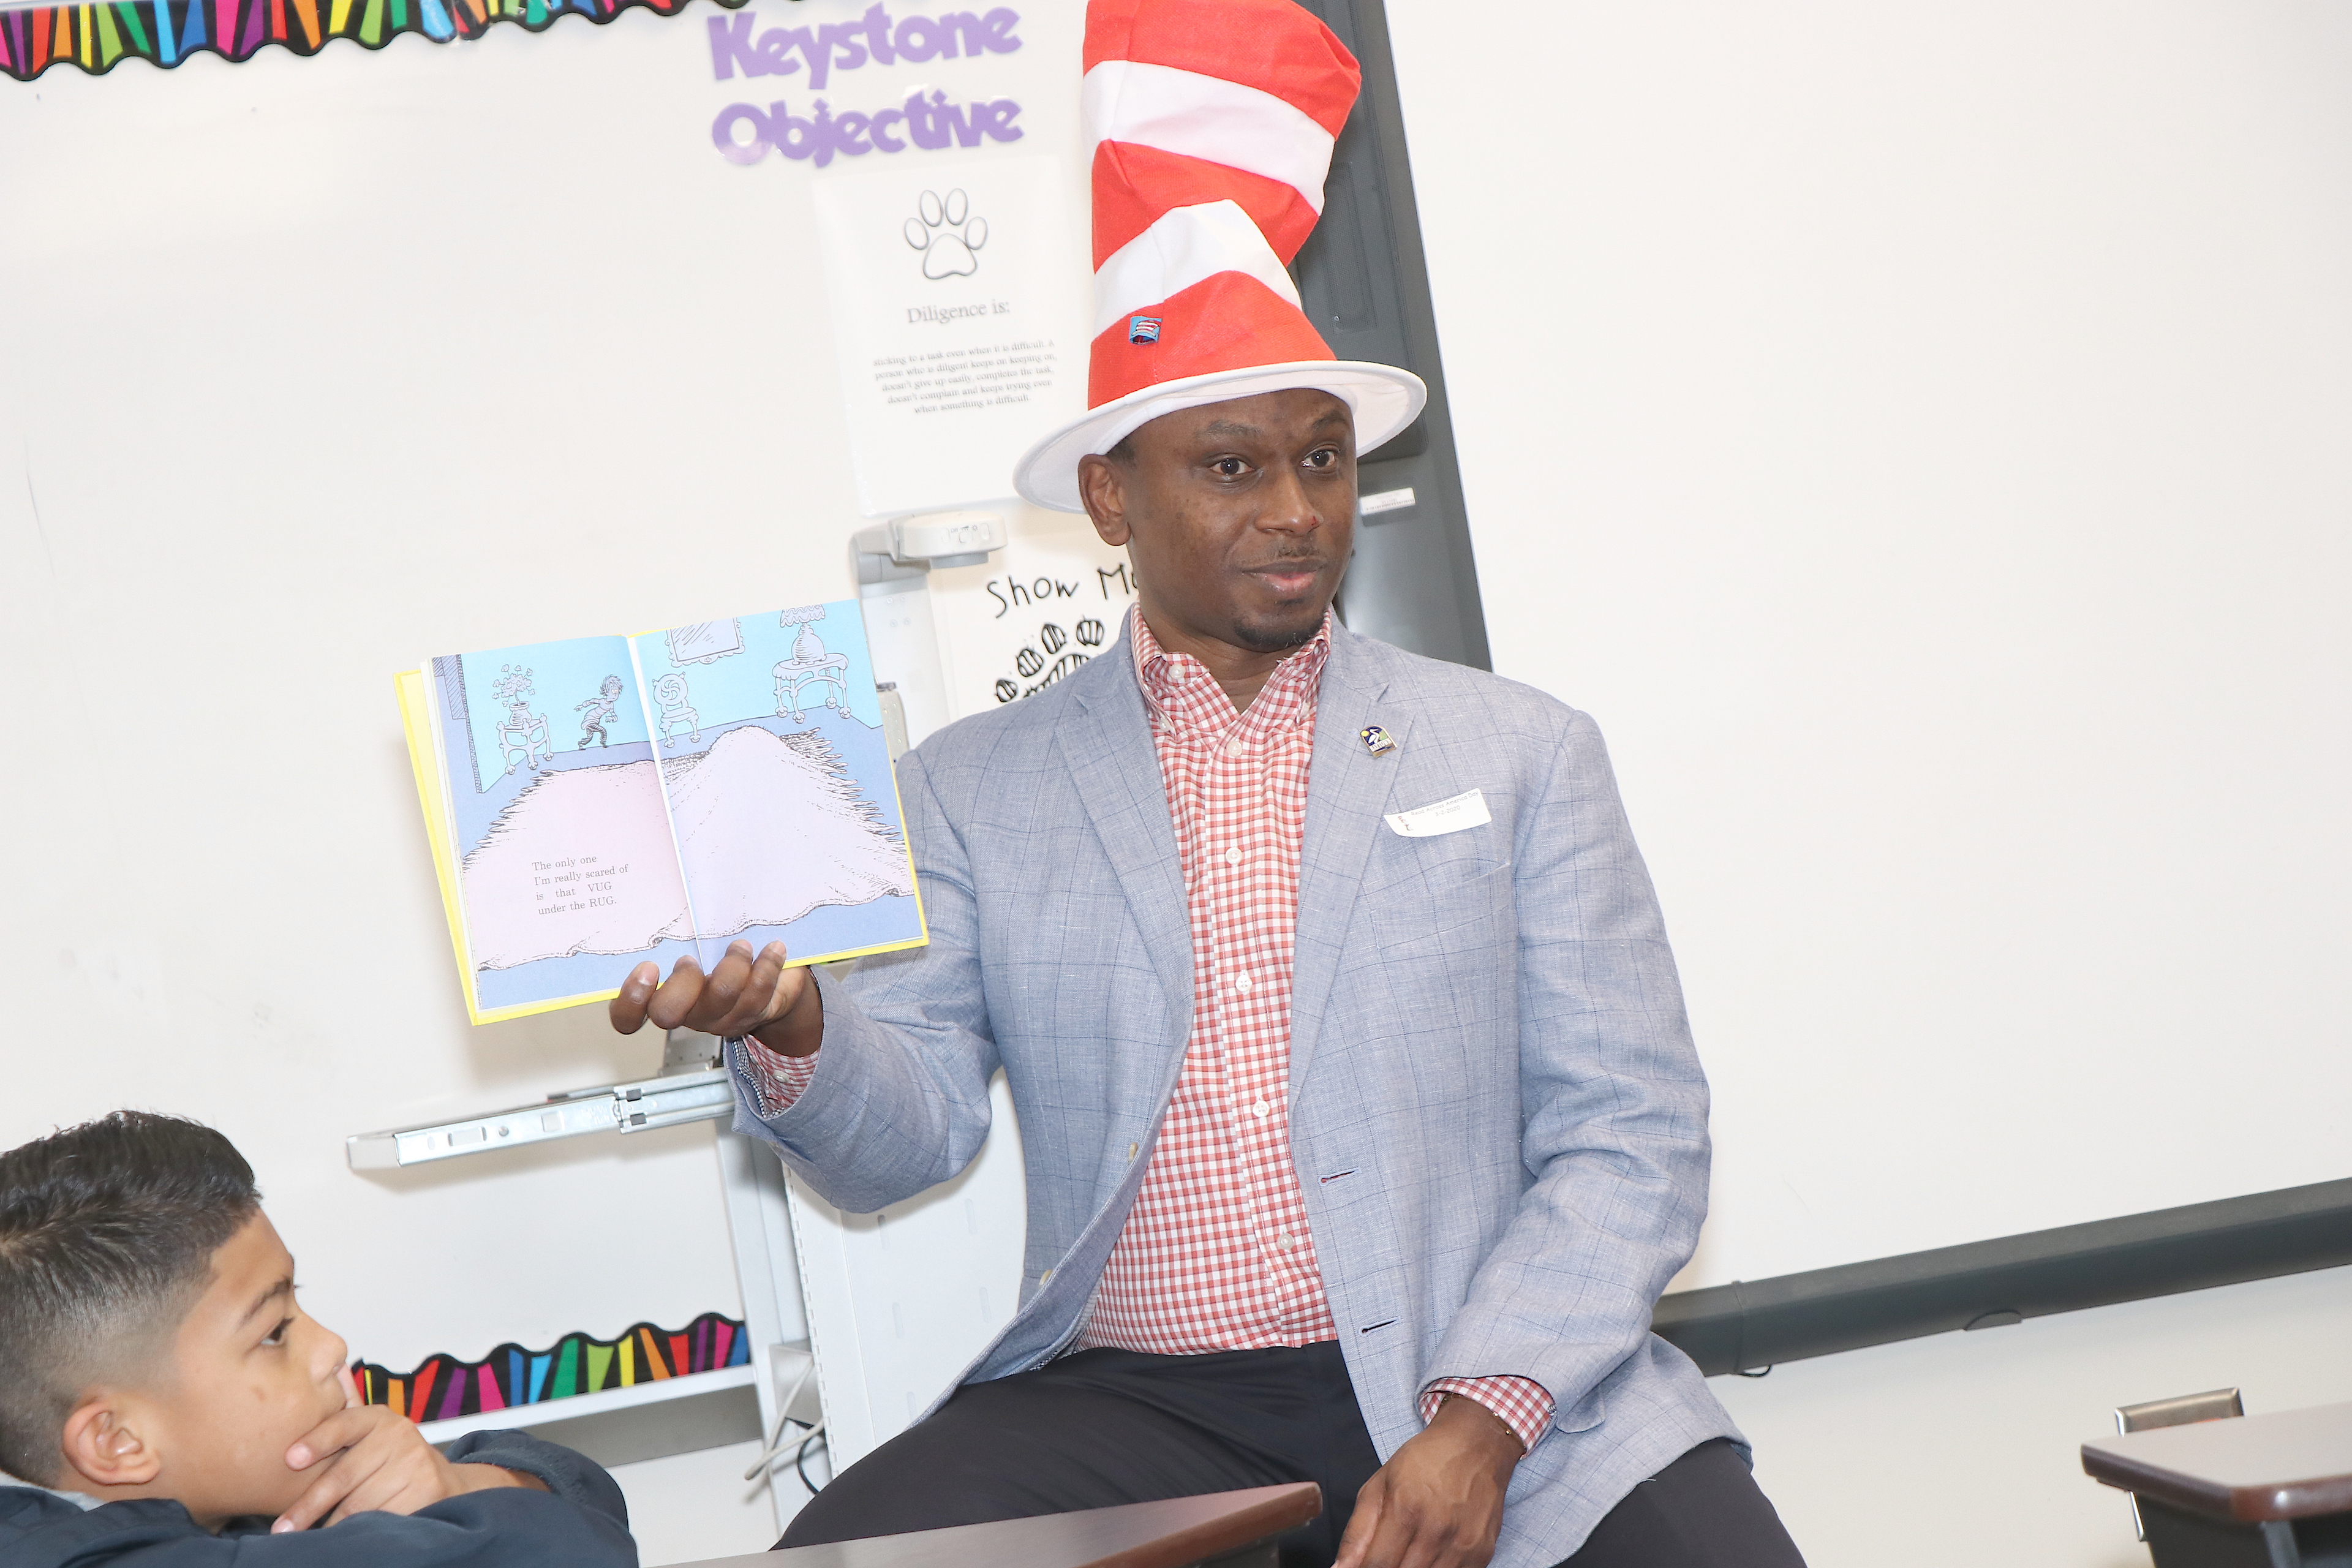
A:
{"x": 1212, "y": 123}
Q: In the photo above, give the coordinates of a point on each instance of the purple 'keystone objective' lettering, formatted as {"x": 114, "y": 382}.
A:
{"x": 737, "y": 44}
{"x": 931, "y": 125}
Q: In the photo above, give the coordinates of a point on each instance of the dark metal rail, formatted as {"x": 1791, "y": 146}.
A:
{"x": 1753, "y": 1323}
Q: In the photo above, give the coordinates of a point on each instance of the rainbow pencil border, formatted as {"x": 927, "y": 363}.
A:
{"x": 165, "y": 32}
{"x": 443, "y": 1387}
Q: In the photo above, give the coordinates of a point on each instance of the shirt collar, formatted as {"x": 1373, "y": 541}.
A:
{"x": 1163, "y": 675}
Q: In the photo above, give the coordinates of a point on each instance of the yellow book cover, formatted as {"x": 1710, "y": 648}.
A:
{"x": 596, "y": 803}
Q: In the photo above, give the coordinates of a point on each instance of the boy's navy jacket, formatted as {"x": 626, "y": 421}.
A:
{"x": 579, "y": 1522}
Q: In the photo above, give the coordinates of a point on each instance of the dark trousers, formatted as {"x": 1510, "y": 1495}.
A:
{"x": 1106, "y": 1426}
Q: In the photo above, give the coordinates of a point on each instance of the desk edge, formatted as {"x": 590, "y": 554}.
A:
{"x": 1285, "y": 1510}
{"x": 2302, "y": 1498}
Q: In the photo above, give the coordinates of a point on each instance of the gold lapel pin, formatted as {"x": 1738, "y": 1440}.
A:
{"x": 1377, "y": 741}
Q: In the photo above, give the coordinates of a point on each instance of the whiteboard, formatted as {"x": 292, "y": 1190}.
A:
{"x": 1915, "y": 435}
{"x": 319, "y": 368}
{"x": 1918, "y": 436}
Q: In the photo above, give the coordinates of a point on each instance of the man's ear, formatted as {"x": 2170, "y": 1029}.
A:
{"x": 103, "y": 1448}
{"x": 1103, "y": 488}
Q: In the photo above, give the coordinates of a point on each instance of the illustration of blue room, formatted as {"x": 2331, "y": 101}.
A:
{"x": 825, "y": 867}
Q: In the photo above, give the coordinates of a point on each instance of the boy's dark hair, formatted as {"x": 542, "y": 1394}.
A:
{"x": 107, "y": 1235}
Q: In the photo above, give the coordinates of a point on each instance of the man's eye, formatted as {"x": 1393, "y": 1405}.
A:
{"x": 1322, "y": 459}
{"x": 277, "y": 1336}
{"x": 1231, "y": 468}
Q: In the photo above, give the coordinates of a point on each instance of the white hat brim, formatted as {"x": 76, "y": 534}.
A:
{"x": 1383, "y": 399}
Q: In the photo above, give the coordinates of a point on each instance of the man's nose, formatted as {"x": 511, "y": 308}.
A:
{"x": 1287, "y": 508}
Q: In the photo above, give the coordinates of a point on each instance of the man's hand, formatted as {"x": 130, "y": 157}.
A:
{"x": 1438, "y": 1502}
{"x": 741, "y": 996}
{"x": 375, "y": 1458}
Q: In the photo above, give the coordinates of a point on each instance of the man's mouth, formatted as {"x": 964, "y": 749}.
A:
{"x": 1287, "y": 578}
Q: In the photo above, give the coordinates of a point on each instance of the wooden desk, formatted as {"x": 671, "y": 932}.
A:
{"x": 1234, "y": 1529}
{"x": 2266, "y": 1491}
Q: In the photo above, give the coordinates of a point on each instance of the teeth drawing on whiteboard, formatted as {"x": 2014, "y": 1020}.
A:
{"x": 1034, "y": 670}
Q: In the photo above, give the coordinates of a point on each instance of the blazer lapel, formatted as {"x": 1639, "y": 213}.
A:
{"x": 1347, "y": 789}
{"x": 1109, "y": 748}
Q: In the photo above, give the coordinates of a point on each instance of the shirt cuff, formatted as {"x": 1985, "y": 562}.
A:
{"x": 1519, "y": 1403}
{"x": 775, "y": 1079}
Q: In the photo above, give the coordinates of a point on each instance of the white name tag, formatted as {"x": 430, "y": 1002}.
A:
{"x": 1465, "y": 810}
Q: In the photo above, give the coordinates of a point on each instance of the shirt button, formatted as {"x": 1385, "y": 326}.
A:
{"x": 1284, "y": 1242}
{"x": 1233, "y": 856}
{"x": 1261, "y": 1111}
{"x": 1235, "y": 747}
{"x": 1242, "y": 983}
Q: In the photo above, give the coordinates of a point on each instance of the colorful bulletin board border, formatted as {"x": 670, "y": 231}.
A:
{"x": 445, "y": 1386}
{"x": 165, "y": 32}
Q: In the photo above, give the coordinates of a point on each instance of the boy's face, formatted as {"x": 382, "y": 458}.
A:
{"x": 248, "y": 1374}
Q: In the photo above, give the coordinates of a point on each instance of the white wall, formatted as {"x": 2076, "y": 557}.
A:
{"x": 1917, "y": 433}
{"x": 691, "y": 1508}
{"x": 1965, "y": 1449}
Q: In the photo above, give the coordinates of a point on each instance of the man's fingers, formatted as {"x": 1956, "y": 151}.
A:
{"x": 1391, "y": 1545}
{"x": 1361, "y": 1524}
{"x": 722, "y": 990}
{"x": 741, "y": 993}
{"x": 676, "y": 996}
{"x": 768, "y": 994}
{"x": 627, "y": 1010}
{"x": 1413, "y": 1534}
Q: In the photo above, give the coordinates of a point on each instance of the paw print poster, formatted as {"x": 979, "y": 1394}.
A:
{"x": 959, "y": 294}
{"x": 948, "y": 234}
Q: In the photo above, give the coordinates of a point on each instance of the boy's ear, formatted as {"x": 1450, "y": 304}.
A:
{"x": 103, "y": 1448}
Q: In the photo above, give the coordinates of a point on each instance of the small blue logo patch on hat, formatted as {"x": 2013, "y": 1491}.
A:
{"x": 1143, "y": 329}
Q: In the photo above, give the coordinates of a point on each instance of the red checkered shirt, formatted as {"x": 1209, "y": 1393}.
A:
{"x": 1216, "y": 1254}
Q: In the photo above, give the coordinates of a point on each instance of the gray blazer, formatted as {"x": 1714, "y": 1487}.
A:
{"x": 1496, "y": 1114}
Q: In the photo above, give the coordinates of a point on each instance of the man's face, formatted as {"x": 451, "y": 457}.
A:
{"x": 1240, "y": 516}
{"x": 248, "y": 1374}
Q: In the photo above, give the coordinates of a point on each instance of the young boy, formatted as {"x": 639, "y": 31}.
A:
{"x": 157, "y": 1373}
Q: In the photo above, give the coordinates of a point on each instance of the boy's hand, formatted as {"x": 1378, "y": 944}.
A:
{"x": 373, "y": 1457}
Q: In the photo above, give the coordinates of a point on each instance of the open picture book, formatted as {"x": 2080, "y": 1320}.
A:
{"x": 596, "y": 803}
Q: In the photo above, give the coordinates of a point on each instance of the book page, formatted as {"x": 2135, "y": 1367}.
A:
{"x": 566, "y": 875}
{"x": 778, "y": 779}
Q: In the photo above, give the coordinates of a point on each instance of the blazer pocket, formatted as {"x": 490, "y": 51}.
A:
{"x": 1442, "y": 903}
{"x": 1403, "y": 869}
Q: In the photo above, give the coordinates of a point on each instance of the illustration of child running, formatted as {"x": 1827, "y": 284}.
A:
{"x": 596, "y": 711}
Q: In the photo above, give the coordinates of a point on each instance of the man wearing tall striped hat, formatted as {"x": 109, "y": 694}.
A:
{"x": 1361, "y": 1120}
